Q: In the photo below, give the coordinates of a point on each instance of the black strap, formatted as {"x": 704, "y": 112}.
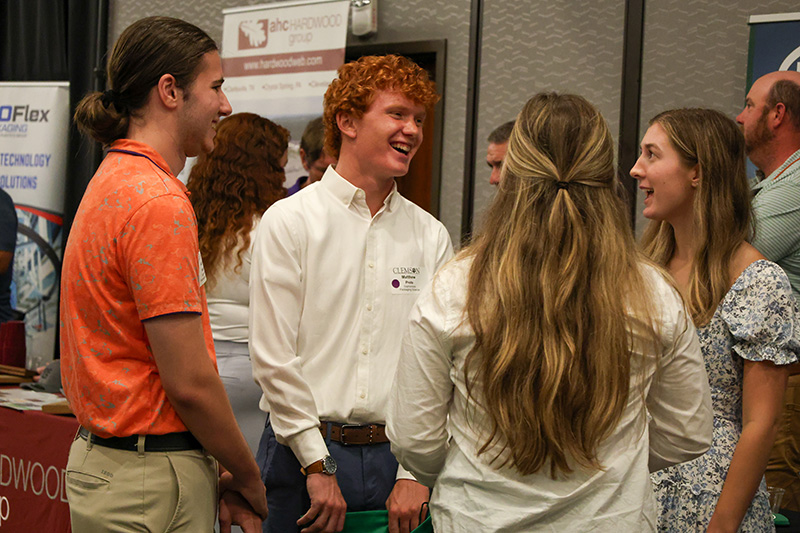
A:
{"x": 422, "y": 510}
{"x": 138, "y": 154}
{"x": 170, "y": 442}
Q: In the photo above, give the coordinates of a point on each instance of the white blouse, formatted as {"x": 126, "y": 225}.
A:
{"x": 229, "y": 298}
{"x": 436, "y": 436}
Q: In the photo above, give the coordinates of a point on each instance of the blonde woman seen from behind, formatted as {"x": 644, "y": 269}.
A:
{"x": 542, "y": 348}
{"x": 692, "y": 170}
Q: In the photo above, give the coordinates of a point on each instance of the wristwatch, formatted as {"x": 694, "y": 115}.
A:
{"x": 326, "y": 465}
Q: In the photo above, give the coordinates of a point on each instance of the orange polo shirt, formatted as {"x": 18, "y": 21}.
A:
{"x": 132, "y": 254}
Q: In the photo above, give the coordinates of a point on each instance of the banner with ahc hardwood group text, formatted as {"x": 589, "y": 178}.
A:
{"x": 279, "y": 58}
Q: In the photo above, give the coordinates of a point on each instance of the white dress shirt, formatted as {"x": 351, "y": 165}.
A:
{"x": 229, "y": 298}
{"x": 436, "y": 435}
{"x": 330, "y": 289}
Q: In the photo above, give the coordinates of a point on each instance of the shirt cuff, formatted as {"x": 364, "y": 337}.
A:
{"x": 308, "y": 446}
{"x": 402, "y": 473}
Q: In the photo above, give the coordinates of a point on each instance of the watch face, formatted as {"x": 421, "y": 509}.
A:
{"x": 329, "y": 465}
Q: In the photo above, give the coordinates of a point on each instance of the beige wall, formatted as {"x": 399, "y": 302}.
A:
{"x": 695, "y": 54}
{"x": 536, "y": 46}
{"x": 398, "y": 21}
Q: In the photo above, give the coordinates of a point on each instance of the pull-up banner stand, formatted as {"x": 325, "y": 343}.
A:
{"x": 280, "y": 58}
{"x": 34, "y": 126}
{"x": 774, "y": 44}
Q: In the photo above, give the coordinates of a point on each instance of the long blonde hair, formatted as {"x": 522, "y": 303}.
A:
{"x": 722, "y": 212}
{"x": 554, "y": 287}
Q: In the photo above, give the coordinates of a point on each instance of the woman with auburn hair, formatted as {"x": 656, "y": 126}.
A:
{"x": 692, "y": 169}
{"x": 231, "y": 187}
{"x": 559, "y": 359}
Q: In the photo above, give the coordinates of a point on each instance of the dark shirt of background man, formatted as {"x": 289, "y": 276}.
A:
{"x": 8, "y": 240}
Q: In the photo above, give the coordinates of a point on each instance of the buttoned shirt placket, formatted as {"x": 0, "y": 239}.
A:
{"x": 369, "y": 304}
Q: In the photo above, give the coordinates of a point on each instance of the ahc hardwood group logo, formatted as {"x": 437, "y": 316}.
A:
{"x": 253, "y": 34}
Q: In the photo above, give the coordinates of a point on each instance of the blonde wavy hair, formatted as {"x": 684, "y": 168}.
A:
{"x": 723, "y": 216}
{"x": 554, "y": 288}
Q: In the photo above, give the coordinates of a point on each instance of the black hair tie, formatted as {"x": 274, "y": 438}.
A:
{"x": 112, "y": 97}
{"x": 564, "y": 185}
{"x": 108, "y": 98}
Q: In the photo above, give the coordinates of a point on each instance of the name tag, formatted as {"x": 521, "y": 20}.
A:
{"x": 202, "y": 271}
{"x": 405, "y": 279}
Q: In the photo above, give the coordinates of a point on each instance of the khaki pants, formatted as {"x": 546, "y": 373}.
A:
{"x": 784, "y": 461}
{"x": 120, "y": 491}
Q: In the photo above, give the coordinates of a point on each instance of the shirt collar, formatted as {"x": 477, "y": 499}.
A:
{"x": 781, "y": 172}
{"x": 144, "y": 150}
{"x": 347, "y": 193}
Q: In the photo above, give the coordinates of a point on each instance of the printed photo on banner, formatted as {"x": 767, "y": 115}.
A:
{"x": 279, "y": 59}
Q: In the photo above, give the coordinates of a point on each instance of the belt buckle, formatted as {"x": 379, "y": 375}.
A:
{"x": 345, "y": 427}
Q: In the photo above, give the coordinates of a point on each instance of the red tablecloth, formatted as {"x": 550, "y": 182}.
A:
{"x": 34, "y": 447}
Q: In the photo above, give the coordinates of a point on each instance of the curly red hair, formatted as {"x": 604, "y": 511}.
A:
{"x": 354, "y": 90}
{"x": 235, "y": 183}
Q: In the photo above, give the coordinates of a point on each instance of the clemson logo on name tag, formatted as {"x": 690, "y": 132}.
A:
{"x": 405, "y": 279}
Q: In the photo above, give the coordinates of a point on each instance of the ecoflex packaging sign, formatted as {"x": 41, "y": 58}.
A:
{"x": 279, "y": 58}
{"x": 34, "y": 126}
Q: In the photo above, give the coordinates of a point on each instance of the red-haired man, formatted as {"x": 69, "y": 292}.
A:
{"x": 336, "y": 269}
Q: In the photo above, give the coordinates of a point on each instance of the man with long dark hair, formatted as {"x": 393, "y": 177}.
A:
{"x": 137, "y": 357}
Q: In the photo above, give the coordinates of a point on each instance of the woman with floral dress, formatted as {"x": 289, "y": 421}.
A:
{"x": 692, "y": 171}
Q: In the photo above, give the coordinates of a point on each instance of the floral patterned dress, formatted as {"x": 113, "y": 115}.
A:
{"x": 756, "y": 321}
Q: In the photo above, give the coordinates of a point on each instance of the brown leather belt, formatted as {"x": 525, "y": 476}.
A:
{"x": 355, "y": 435}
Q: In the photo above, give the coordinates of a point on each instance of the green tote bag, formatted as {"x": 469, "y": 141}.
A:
{"x": 376, "y": 522}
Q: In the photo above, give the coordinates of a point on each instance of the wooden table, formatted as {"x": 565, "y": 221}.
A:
{"x": 34, "y": 447}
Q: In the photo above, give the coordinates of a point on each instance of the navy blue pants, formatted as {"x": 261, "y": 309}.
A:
{"x": 366, "y": 477}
